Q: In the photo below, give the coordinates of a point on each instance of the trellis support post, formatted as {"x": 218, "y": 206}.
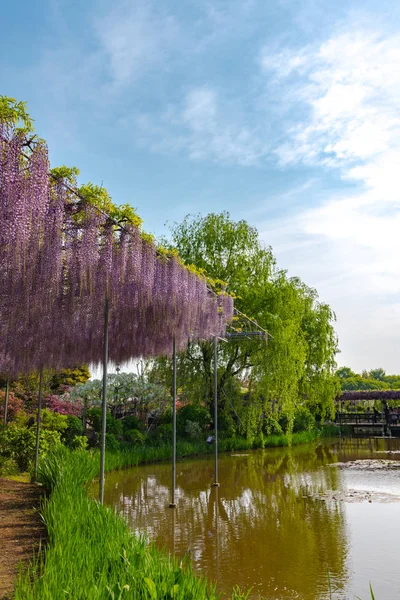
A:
{"x": 173, "y": 483}
{"x": 38, "y": 423}
{"x": 104, "y": 403}
{"x": 6, "y": 401}
{"x": 216, "y": 484}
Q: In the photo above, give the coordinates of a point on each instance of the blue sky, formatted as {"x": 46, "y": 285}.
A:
{"x": 282, "y": 112}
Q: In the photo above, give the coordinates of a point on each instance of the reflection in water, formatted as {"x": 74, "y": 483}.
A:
{"x": 271, "y": 525}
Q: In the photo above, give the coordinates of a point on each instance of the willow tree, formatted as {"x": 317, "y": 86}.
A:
{"x": 295, "y": 367}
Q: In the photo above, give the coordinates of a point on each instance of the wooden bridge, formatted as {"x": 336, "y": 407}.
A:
{"x": 362, "y": 423}
{"x": 367, "y": 395}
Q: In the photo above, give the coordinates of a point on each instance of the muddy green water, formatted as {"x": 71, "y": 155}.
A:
{"x": 281, "y": 519}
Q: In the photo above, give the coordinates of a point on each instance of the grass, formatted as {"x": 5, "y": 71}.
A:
{"x": 146, "y": 454}
{"x": 20, "y": 478}
{"x": 92, "y": 554}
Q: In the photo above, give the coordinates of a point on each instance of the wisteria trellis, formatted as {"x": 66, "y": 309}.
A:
{"x": 60, "y": 257}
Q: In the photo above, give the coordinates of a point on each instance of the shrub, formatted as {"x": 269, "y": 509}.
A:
{"x": 195, "y": 414}
{"x": 8, "y": 466}
{"x": 135, "y": 437}
{"x": 303, "y": 420}
{"x": 193, "y": 430}
{"x": 114, "y": 425}
{"x": 132, "y": 422}
{"x": 112, "y": 442}
{"x": 226, "y": 424}
{"x": 74, "y": 429}
{"x": 162, "y": 434}
{"x": 53, "y": 421}
{"x": 15, "y": 406}
{"x": 79, "y": 442}
{"x": 18, "y": 444}
{"x": 271, "y": 426}
{"x": 64, "y": 406}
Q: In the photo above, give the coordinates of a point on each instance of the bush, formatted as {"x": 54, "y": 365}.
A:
{"x": 15, "y": 406}
{"x": 303, "y": 420}
{"x": 195, "y": 414}
{"x": 18, "y": 444}
{"x": 73, "y": 431}
{"x": 114, "y": 426}
{"x": 79, "y": 442}
{"x": 53, "y": 421}
{"x": 161, "y": 435}
{"x": 63, "y": 406}
{"x": 193, "y": 430}
{"x": 135, "y": 437}
{"x": 112, "y": 442}
{"x": 226, "y": 424}
{"x": 132, "y": 422}
{"x": 271, "y": 426}
{"x": 8, "y": 466}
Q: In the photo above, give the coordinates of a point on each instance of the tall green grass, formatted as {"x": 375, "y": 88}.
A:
{"x": 145, "y": 454}
{"x": 91, "y": 554}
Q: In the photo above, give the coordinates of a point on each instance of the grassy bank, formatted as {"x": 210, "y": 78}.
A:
{"x": 146, "y": 454}
{"x": 92, "y": 554}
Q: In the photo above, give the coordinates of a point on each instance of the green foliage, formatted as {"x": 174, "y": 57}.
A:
{"x": 376, "y": 379}
{"x": 79, "y": 442}
{"x": 112, "y": 442}
{"x": 193, "y": 430}
{"x": 134, "y": 437}
{"x": 18, "y": 444}
{"x": 73, "y": 431}
{"x": 69, "y": 378}
{"x": 99, "y": 197}
{"x": 69, "y": 174}
{"x": 295, "y": 368}
{"x": 132, "y": 422}
{"x": 378, "y": 374}
{"x": 304, "y": 420}
{"x": 198, "y": 417}
{"x": 14, "y": 114}
{"x": 114, "y": 426}
{"x": 92, "y": 549}
{"x": 344, "y": 373}
{"x": 53, "y": 421}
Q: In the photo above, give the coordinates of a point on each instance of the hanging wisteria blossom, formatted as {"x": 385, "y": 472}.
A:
{"x": 61, "y": 257}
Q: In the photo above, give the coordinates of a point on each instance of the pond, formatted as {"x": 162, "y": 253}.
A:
{"x": 281, "y": 520}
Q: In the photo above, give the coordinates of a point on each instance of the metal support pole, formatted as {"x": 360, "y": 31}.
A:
{"x": 6, "y": 402}
{"x": 38, "y": 422}
{"x": 104, "y": 405}
{"x": 215, "y": 415}
{"x": 217, "y": 530}
{"x": 172, "y": 503}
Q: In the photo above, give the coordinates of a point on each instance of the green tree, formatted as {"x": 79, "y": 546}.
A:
{"x": 345, "y": 373}
{"x": 378, "y": 374}
{"x": 69, "y": 378}
{"x": 296, "y": 367}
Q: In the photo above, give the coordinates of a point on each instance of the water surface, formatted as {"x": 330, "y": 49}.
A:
{"x": 281, "y": 519}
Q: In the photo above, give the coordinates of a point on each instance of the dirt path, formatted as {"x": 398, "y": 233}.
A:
{"x": 21, "y": 529}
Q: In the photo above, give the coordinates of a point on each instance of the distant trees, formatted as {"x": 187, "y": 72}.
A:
{"x": 375, "y": 379}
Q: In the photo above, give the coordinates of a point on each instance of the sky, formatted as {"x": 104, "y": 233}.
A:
{"x": 282, "y": 112}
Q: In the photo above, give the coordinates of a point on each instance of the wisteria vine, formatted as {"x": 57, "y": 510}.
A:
{"x": 60, "y": 257}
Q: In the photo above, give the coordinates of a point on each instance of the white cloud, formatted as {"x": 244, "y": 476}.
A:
{"x": 201, "y": 126}
{"x": 134, "y": 36}
{"x": 349, "y": 90}
{"x": 351, "y": 87}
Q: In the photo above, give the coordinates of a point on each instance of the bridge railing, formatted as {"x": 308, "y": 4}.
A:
{"x": 356, "y": 418}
